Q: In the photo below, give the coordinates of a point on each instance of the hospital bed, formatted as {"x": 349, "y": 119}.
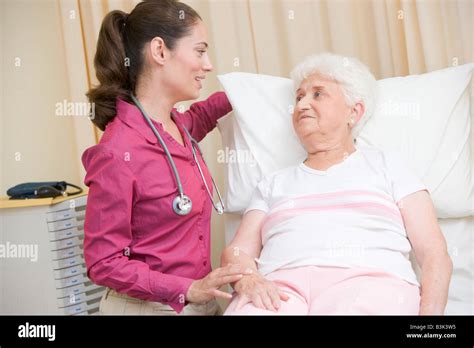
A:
{"x": 426, "y": 117}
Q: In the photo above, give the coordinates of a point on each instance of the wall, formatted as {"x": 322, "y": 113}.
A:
{"x": 36, "y": 144}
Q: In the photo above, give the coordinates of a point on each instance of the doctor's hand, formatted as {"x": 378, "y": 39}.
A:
{"x": 207, "y": 288}
{"x": 262, "y": 292}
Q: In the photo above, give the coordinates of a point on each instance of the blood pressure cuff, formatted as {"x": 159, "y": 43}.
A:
{"x": 41, "y": 190}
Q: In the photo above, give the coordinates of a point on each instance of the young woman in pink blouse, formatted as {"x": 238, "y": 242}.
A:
{"x": 152, "y": 260}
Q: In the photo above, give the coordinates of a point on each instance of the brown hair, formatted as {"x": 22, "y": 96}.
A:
{"x": 119, "y": 57}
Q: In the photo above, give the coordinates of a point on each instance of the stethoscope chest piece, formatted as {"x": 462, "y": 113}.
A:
{"x": 182, "y": 205}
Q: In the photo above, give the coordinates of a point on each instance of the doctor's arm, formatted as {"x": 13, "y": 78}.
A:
{"x": 201, "y": 118}
{"x": 244, "y": 248}
{"x": 430, "y": 251}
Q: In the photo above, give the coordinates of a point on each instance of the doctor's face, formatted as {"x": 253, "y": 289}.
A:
{"x": 189, "y": 64}
{"x": 321, "y": 114}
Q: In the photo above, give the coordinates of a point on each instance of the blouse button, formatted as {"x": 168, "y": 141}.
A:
{"x": 201, "y": 237}
{"x": 204, "y": 263}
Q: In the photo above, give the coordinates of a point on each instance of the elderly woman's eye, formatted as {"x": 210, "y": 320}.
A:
{"x": 317, "y": 94}
{"x": 298, "y": 98}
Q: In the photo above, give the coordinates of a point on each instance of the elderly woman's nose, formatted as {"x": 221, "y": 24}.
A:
{"x": 301, "y": 105}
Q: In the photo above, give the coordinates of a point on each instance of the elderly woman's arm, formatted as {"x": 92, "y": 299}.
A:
{"x": 246, "y": 245}
{"x": 243, "y": 250}
{"x": 430, "y": 250}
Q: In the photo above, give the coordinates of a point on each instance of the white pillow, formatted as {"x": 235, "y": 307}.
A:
{"x": 432, "y": 129}
{"x": 426, "y": 117}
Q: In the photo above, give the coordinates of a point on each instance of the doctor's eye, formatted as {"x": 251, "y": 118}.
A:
{"x": 201, "y": 52}
{"x": 317, "y": 94}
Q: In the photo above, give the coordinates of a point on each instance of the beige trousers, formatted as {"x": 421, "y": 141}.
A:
{"x": 113, "y": 303}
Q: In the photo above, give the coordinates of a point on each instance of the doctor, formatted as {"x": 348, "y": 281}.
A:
{"x": 147, "y": 225}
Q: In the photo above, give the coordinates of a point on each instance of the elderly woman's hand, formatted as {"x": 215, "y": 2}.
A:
{"x": 264, "y": 293}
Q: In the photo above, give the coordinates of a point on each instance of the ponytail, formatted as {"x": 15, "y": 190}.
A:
{"x": 109, "y": 63}
{"x": 119, "y": 58}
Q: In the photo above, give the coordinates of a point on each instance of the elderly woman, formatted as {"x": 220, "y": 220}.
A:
{"x": 332, "y": 235}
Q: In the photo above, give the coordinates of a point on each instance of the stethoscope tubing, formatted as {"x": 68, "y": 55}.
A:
{"x": 177, "y": 203}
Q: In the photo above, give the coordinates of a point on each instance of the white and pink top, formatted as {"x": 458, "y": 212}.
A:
{"x": 345, "y": 216}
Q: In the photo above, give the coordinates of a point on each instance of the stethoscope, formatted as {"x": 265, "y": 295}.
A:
{"x": 182, "y": 204}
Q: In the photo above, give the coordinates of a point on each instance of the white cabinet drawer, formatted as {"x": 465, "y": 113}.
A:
{"x": 75, "y": 290}
{"x": 65, "y": 243}
{"x": 63, "y": 234}
{"x": 65, "y": 253}
{"x": 61, "y": 225}
{"x": 77, "y": 299}
{"x": 71, "y": 281}
{"x": 75, "y": 309}
{"x": 71, "y": 261}
{"x": 69, "y": 272}
{"x": 60, "y": 215}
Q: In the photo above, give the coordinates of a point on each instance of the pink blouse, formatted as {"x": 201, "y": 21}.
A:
{"x": 134, "y": 242}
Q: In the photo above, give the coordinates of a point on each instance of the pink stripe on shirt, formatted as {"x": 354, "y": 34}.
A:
{"x": 330, "y": 195}
{"x": 373, "y": 208}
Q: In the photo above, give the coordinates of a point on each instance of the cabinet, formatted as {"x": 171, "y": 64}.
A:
{"x": 42, "y": 269}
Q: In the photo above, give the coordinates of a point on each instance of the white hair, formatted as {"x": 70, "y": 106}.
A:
{"x": 354, "y": 77}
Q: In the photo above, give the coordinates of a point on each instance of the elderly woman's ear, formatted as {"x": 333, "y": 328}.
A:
{"x": 357, "y": 111}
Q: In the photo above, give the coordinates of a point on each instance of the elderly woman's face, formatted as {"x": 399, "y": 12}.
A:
{"x": 321, "y": 111}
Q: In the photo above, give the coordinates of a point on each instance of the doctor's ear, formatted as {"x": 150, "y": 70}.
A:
{"x": 158, "y": 50}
